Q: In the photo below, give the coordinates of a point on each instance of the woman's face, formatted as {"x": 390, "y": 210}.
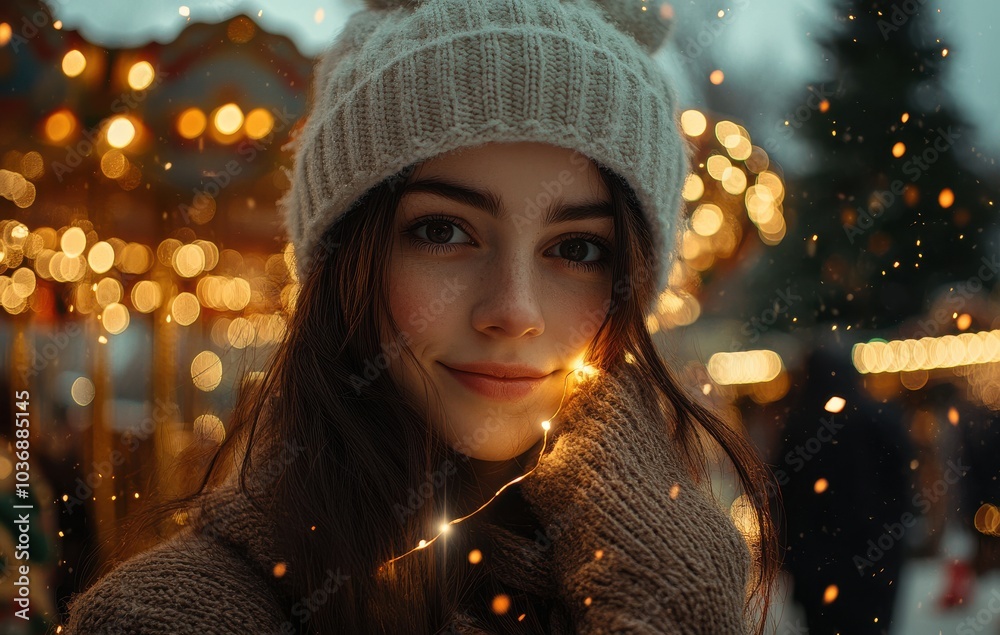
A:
{"x": 480, "y": 275}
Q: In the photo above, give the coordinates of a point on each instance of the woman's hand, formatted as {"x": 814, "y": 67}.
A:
{"x": 636, "y": 546}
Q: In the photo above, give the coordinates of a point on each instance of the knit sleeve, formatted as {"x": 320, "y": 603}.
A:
{"x": 183, "y": 586}
{"x": 636, "y": 546}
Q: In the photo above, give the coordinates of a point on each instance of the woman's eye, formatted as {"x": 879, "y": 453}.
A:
{"x": 434, "y": 234}
{"x": 584, "y": 252}
{"x": 579, "y": 250}
{"x": 439, "y": 231}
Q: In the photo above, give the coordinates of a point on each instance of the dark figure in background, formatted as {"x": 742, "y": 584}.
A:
{"x": 846, "y": 487}
{"x": 980, "y": 490}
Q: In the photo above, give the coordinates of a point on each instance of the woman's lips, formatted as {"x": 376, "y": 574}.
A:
{"x": 494, "y": 387}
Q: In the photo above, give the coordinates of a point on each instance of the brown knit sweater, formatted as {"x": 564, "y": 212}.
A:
{"x": 636, "y": 546}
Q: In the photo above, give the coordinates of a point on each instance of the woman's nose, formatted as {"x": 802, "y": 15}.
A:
{"x": 509, "y": 302}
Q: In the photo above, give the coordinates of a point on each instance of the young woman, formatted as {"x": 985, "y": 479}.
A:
{"x": 467, "y": 427}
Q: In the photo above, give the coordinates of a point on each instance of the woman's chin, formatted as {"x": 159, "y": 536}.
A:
{"x": 499, "y": 452}
{"x": 488, "y": 453}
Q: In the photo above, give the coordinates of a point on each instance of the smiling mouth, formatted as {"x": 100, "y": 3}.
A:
{"x": 497, "y": 388}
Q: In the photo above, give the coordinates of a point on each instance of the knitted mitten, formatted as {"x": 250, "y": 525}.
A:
{"x": 636, "y": 546}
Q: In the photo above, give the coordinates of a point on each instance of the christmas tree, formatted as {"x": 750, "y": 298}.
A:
{"x": 893, "y": 213}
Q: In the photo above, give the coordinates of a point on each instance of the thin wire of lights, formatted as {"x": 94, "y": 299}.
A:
{"x": 586, "y": 370}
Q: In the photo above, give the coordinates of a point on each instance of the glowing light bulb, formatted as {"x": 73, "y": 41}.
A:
{"x": 586, "y": 370}
{"x": 835, "y": 404}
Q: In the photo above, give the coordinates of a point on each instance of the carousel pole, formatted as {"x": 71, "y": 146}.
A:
{"x": 163, "y": 384}
{"x": 100, "y": 445}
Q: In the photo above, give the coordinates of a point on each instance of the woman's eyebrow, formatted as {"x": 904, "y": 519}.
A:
{"x": 488, "y": 201}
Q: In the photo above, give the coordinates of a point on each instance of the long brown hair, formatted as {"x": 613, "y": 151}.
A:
{"x": 367, "y": 450}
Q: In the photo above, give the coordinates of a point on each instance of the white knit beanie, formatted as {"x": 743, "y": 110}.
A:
{"x": 407, "y": 80}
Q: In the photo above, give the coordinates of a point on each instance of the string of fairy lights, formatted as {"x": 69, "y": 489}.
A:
{"x": 584, "y": 372}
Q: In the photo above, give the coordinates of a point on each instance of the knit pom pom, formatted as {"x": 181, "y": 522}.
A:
{"x": 390, "y": 4}
{"x": 649, "y": 22}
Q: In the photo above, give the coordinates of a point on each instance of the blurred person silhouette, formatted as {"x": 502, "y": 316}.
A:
{"x": 978, "y": 506}
{"x": 962, "y": 414}
{"x": 843, "y": 470}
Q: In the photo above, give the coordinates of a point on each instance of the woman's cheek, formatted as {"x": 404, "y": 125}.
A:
{"x": 403, "y": 302}
{"x": 404, "y": 288}
{"x": 413, "y": 298}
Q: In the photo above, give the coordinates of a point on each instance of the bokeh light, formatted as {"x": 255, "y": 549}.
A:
{"x": 228, "y": 119}
{"x": 120, "y": 132}
{"x": 73, "y": 63}
{"x": 206, "y": 371}
{"x": 82, "y": 391}
{"x": 141, "y": 75}
{"x": 191, "y": 123}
